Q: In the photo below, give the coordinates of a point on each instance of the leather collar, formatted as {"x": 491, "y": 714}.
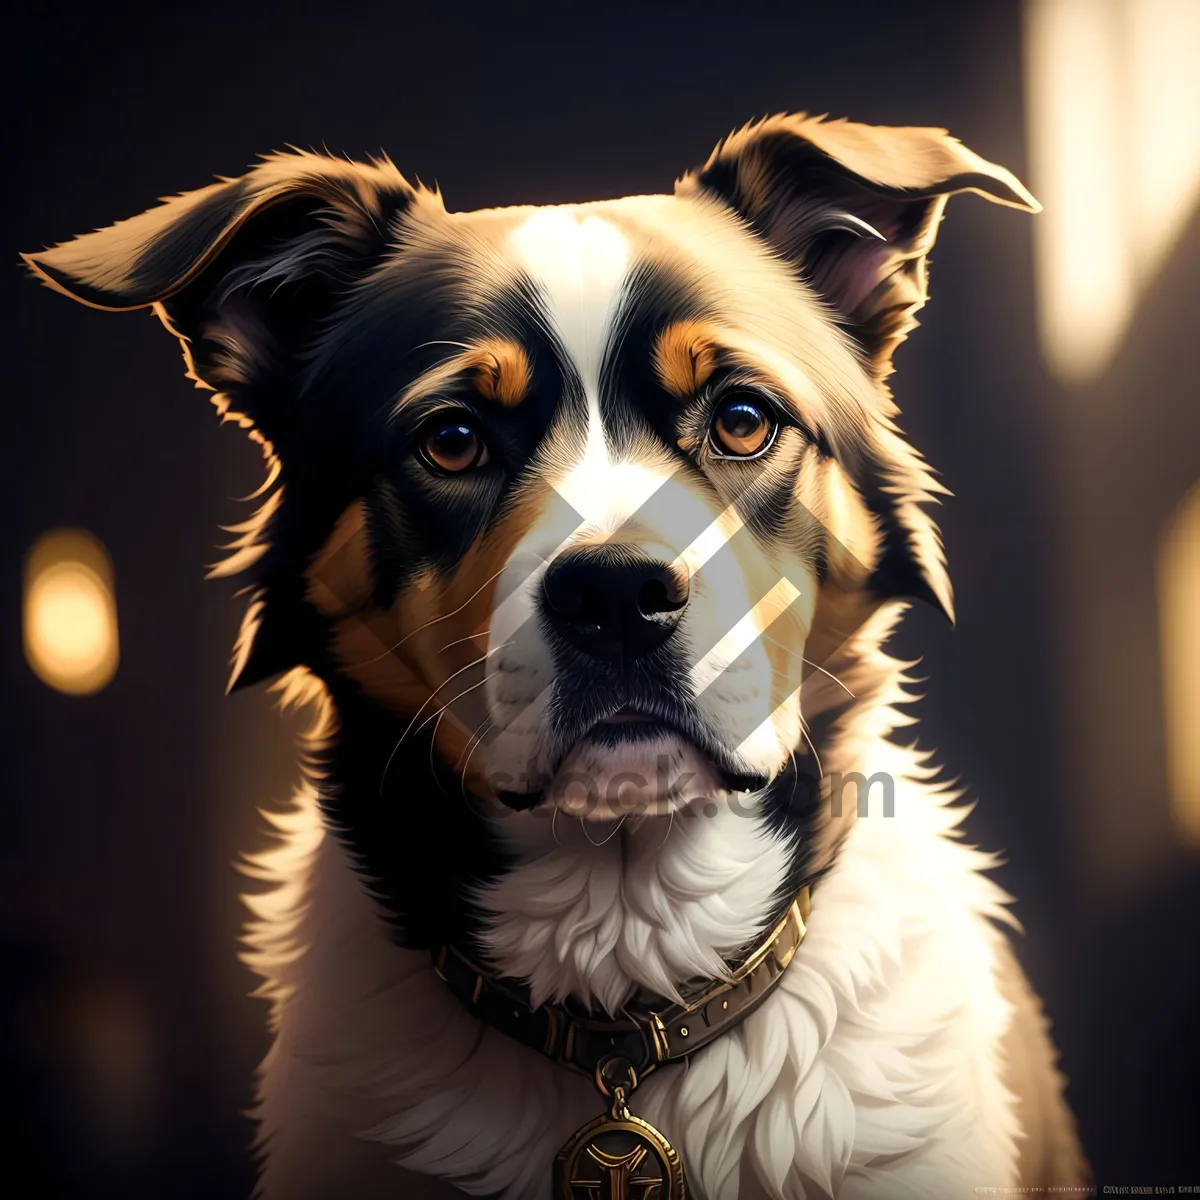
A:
{"x": 644, "y": 1039}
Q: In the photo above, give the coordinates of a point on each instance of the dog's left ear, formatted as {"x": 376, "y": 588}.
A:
{"x": 855, "y": 210}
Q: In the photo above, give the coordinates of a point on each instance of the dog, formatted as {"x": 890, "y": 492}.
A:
{"x": 584, "y": 529}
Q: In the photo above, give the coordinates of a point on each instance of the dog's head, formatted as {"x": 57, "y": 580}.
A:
{"x": 576, "y": 491}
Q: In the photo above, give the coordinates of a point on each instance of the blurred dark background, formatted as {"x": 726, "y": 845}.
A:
{"x": 127, "y": 1040}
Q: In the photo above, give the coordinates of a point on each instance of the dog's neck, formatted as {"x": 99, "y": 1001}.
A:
{"x": 595, "y": 912}
{"x": 590, "y": 911}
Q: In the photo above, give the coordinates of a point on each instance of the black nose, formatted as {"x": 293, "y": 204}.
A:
{"x": 612, "y": 601}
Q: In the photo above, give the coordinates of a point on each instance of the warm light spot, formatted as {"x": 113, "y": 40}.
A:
{"x": 1113, "y": 110}
{"x": 70, "y": 614}
{"x": 1163, "y": 65}
{"x": 1179, "y": 633}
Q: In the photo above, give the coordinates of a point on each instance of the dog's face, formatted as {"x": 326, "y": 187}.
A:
{"x": 573, "y": 491}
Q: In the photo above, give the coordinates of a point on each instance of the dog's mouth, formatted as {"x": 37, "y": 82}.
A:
{"x": 649, "y": 759}
{"x": 630, "y": 725}
{"x": 627, "y": 725}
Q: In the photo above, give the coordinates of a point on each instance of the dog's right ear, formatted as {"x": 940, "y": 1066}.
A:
{"x": 241, "y": 270}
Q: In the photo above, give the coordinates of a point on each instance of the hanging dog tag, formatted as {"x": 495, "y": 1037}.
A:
{"x": 618, "y": 1156}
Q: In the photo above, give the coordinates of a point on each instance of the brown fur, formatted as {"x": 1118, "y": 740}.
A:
{"x": 501, "y": 369}
{"x": 685, "y": 357}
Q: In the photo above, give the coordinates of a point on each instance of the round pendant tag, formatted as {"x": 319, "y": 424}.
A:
{"x": 618, "y": 1158}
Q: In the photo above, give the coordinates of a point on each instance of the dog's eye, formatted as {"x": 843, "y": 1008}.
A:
{"x": 742, "y": 426}
{"x": 453, "y": 446}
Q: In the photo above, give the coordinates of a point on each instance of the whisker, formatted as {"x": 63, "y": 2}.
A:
{"x": 818, "y": 667}
{"x": 434, "y": 621}
{"x": 454, "y": 675}
{"x": 583, "y": 826}
{"x": 433, "y": 739}
{"x": 476, "y": 738}
{"x": 462, "y": 785}
{"x": 641, "y": 818}
{"x": 416, "y": 715}
{"x": 452, "y": 700}
{"x": 670, "y": 826}
{"x": 459, "y": 641}
{"x": 809, "y": 661}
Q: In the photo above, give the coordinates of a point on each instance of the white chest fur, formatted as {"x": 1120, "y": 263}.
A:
{"x": 873, "y": 1070}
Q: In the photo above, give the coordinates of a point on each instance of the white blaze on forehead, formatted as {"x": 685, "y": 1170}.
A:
{"x": 581, "y": 264}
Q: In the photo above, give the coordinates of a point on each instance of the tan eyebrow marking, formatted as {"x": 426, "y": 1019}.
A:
{"x": 685, "y": 356}
{"x": 501, "y": 369}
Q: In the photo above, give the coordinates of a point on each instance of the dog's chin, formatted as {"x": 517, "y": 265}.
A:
{"x": 605, "y": 778}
